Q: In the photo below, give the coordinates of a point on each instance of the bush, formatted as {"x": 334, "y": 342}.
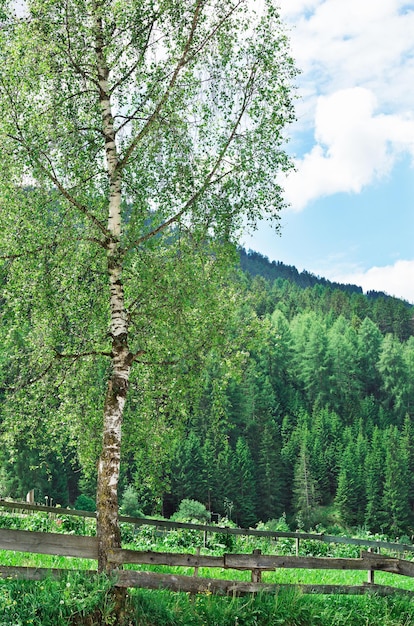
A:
{"x": 130, "y": 503}
{"x": 85, "y": 503}
{"x": 183, "y": 538}
{"x": 222, "y": 541}
{"x": 191, "y": 510}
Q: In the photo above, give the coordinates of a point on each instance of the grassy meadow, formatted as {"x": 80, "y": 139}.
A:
{"x": 80, "y": 599}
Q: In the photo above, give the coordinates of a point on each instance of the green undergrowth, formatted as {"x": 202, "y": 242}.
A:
{"x": 289, "y": 608}
{"x": 71, "y": 600}
{"x": 48, "y": 523}
{"x": 77, "y": 601}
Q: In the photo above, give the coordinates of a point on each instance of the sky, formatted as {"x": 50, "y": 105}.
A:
{"x": 351, "y": 213}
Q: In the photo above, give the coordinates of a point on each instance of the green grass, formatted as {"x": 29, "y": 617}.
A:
{"x": 76, "y": 601}
{"x": 53, "y": 603}
{"x": 79, "y": 600}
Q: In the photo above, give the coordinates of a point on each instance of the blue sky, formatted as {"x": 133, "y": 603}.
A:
{"x": 351, "y": 215}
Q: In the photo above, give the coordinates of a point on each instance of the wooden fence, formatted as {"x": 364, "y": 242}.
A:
{"x": 206, "y": 528}
{"x": 257, "y": 563}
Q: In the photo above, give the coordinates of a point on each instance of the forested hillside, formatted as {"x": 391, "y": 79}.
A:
{"x": 311, "y": 403}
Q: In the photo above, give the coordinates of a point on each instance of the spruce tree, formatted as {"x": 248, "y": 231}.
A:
{"x": 270, "y": 478}
{"x": 244, "y": 496}
{"x": 396, "y": 485}
{"x": 305, "y": 489}
{"x": 350, "y": 496}
{"x": 375, "y": 476}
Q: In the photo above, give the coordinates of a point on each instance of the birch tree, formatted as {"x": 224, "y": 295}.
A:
{"x": 137, "y": 138}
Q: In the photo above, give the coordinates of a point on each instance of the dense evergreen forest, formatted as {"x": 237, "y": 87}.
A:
{"x": 311, "y": 405}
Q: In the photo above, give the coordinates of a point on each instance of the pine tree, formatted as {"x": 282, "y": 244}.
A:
{"x": 369, "y": 348}
{"x": 244, "y": 496}
{"x": 326, "y": 436}
{"x": 351, "y": 496}
{"x": 375, "y": 475}
{"x": 394, "y": 374}
{"x": 187, "y": 471}
{"x": 305, "y": 490}
{"x": 310, "y": 342}
{"x": 270, "y": 479}
{"x": 396, "y": 485}
{"x": 407, "y": 443}
{"x": 343, "y": 368}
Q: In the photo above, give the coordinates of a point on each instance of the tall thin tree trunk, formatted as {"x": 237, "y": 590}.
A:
{"x": 109, "y": 463}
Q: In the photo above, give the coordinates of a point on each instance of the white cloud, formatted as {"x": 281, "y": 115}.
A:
{"x": 354, "y": 147}
{"x": 292, "y": 8}
{"x": 357, "y": 60}
{"x": 395, "y": 280}
{"x": 340, "y": 44}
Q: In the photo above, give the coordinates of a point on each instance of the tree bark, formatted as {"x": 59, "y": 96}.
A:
{"x": 109, "y": 462}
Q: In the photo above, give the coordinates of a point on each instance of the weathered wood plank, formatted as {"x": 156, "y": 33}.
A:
{"x": 189, "y": 584}
{"x": 261, "y": 562}
{"x": 272, "y": 562}
{"x": 164, "y": 558}
{"x": 38, "y": 573}
{"x": 368, "y": 561}
{"x": 40, "y": 508}
{"x": 139, "y": 521}
{"x": 150, "y": 580}
{"x": 388, "y": 564}
{"x": 48, "y": 543}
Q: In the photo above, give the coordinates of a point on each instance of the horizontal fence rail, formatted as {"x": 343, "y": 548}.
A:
{"x": 151, "y": 580}
{"x": 56, "y": 544}
{"x": 250, "y": 532}
{"x": 87, "y": 547}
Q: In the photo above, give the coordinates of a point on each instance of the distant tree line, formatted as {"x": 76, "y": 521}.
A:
{"x": 313, "y": 407}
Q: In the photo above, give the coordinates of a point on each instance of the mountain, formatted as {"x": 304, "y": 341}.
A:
{"x": 256, "y": 264}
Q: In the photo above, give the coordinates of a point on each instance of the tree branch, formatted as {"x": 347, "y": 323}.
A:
{"x": 124, "y": 78}
{"x": 79, "y": 355}
{"x": 214, "y": 30}
{"x": 31, "y": 381}
{"x": 209, "y": 180}
{"x": 75, "y": 65}
{"x": 12, "y": 257}
{"x": 51, "y": 175}
{"x": 65, "y": 193}
{"x": 122, "y": 162}
{"x": 153, "y": 363}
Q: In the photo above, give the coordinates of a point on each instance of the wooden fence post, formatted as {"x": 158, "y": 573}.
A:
{"x": 196, "y": 567}
{"x": 256, "y": 573}
{"x": 297, "y": 545}
{"x": 370, "y": 572}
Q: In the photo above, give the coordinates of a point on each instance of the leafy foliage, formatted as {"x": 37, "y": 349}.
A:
{"x": 192, "y": 510}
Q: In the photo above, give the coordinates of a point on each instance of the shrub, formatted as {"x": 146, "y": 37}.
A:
{"x": 130, "y": 503}
{"x": 183, "y": 538}
{"x": 85, "y": 503}
{"x": 192, "y": 510}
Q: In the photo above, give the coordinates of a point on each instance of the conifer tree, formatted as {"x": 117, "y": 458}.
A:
{"x": 375, "y": 517}
{"x": 369, "y": 347}
{"x": 305, "y": 489}
{"x": 188, "y": 470}
{"x": 407, "y": 442}
{"x": 351, "y": 495}
{"x": 394, "y": 375}
{"x": 395, "y": 499}
{"x": 270, "y": 478}
{"x": 244, "y": 495}
{"x": 343, "y": 368}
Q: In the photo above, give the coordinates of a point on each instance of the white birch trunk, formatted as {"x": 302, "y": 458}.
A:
{"x": 109, "y": 462}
